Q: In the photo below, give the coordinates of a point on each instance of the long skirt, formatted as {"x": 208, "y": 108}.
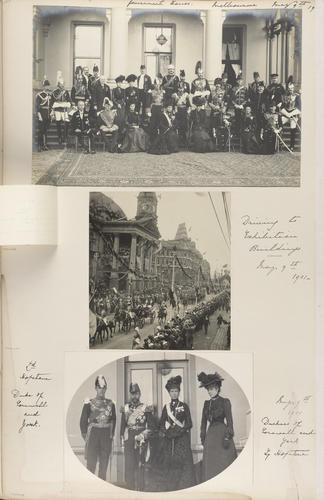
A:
{"x": 201, "y": 141}
{"x": 269, "y": 142}
{"x": 135, "y": 140}
{"x": 164, "y": 144}
{"x": 250, "y": 144}
{"x": 215, "y": 457}
{"x": 178, "y": 463}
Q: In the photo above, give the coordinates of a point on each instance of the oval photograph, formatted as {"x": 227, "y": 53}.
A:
{"x": 158, "y": 421}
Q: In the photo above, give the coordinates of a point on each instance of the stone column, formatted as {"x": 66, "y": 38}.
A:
{"x": 132, "y": 261}
{"x": 118, "y": 17}
{"x": 114, "y": 274}
{"x": 213, "y": 48}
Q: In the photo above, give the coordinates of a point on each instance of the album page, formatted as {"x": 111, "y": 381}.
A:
{"x": 158, "y": 231}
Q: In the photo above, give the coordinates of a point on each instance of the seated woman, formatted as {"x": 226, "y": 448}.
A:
{"x": 217, "y": 439}
{"x": 249, "y": 142}
{"x": 107, "y": 126}
{"x": 201, "y": 141}
{"x": 175, "y": 425}
{"x": 135, "y": 138}
{"x": 165, "y": 140}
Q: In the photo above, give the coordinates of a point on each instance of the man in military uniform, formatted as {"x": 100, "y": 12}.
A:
{"x": 239, "y": 100}
{"x": 219, "y": 120}
{"x": 97, "y": 424}
{"x": 253, "y": 87}
{"x": 275, "y": 89}
{"x": 80, "y": 125}
{"x": 290, "y": 109}
{"x": 43, "y": 113}
{"x": 61, "y": 103}
{"x": 227, "y": 87}
{"x": 170, "y": 84}
{"x": 93, "y": 79}
{"x": 136, "y": 427}
{"x": 144, "y": 85}
{"x": 200, "y": 86}
{"x": 183, "y": 108}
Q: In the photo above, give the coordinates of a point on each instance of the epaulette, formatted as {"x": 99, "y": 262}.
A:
{"x": 86, "y": 401}
{"x": 149, "y": 409}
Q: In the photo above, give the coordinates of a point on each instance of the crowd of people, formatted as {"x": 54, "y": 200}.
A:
{"x": 167, "y": 114}
{"x": 157, "y": 448}
{"x": 178, "y": 333}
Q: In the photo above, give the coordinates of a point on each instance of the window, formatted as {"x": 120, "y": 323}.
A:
{"x": 88, "y": 45}
{"x": 233, "y": 39}
{"x": 157, "y": 57}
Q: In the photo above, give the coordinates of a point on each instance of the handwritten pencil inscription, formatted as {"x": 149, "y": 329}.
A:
{"x": 276, "y": 246}
{"x": 32, "y": 402}
{"x": 287, "y": 429}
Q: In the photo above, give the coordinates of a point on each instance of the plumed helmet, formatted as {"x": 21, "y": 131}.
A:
{"x": 182, "y": 73}
{"x": 209, "y": 379}
{"x": 173, "y": 383}
{"x": 95, "y": 69}
{"x": 101, "y": 382}
{"x": 46, "y": 82}
{"x": 134, "y": 387}
{"x": 197, "y": 67}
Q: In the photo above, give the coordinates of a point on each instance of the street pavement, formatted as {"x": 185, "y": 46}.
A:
{"x": 216, "y": 338}
{"x": 186, "y": 168}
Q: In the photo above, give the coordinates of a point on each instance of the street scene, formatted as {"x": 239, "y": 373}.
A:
{"x": 159, "y": 270}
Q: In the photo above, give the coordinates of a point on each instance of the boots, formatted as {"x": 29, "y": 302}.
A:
{"x": 59, "y": 132}
{"x": 45, "y": 148}
{"x": 292, "y": 138}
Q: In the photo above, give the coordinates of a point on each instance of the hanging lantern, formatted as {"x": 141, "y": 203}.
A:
{"x": 161, "y": 39}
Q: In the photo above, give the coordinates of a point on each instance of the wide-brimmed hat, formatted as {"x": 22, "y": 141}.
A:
{"x": 173, "y": 383}
{"x": 209, "y": 379}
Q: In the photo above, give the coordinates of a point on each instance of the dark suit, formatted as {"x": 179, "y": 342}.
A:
{"x": 81, "y": 127}
{"x": 145, "y": 96}
{"x": 99, "y": 93}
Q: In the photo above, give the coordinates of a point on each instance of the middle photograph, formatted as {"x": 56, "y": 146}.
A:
{"x": 159, "y": 270}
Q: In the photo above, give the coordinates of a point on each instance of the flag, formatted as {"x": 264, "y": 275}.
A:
{"x": 231, "y": 75}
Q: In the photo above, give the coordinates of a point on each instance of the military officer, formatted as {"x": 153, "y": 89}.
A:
{"x": 43, "y": 112}
{"x": 136, "y": 427}
{"x": 290, "y": 110}
{"x": 183, "y": 108}
{"x": 80, "y": 125}
{"x": 253, "y": 87}
{"x": 275, "y": 89}
{"x": 227, "y": 87}
{"x": 144, "y": 85}
{"x": 97, "y": 424}
{"x": 239, "y": 100}
{"x": 170, "y": 84}
{"x": 200, "y": 86}
{"x": 61, "y": 103}
{"x": 100, "y": 90}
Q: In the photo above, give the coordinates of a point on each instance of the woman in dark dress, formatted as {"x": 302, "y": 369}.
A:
{"x": 119, "y": 100}
{"x": 135, "y": 138}
{"x": 175, "y": 425}
{"x": 201, "y": 141}
{"x": 217, "y": 439}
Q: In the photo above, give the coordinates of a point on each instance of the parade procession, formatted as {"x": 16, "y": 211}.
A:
{"x": 150, "y": 293}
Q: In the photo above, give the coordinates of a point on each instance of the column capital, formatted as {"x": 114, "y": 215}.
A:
{"x": 35, "y": 12}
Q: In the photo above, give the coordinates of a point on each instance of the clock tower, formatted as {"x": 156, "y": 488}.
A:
{"x": 146, "y": 205}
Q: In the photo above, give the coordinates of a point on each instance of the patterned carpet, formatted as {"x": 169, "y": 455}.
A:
{"x": 67, "y": 168}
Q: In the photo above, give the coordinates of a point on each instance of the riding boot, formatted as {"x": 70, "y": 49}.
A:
{"x": 292, "y": 138}
{"x": 66, "y": 129}
{"x": 45, "y": 148}
{"x": 59, "y": 131}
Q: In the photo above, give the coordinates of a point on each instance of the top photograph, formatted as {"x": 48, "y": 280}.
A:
{"x": 127, "y": 96}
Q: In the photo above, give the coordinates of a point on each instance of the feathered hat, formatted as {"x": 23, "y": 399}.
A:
{"x": 290, "y": 80}
{"x": 101, "y": 382}
{"x": 198, "y": 66}
{"x": 46, "y": 82}
{"x": 59, "y": 76}
{"x": 131, "y": 78}
{"x": 217, "y": 81}
{"x": 209, "y": 379}
{"x": 120, "y": 78}
{"x": 95, "y": 68}
{"x": 182, "y": 73}
{"x": 173, "y": 383}
{"x": 134, "y": 388}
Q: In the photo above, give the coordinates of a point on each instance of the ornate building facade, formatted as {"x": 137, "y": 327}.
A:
{"x": 180, "y": 263}
{"x": 122, "y": 250}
